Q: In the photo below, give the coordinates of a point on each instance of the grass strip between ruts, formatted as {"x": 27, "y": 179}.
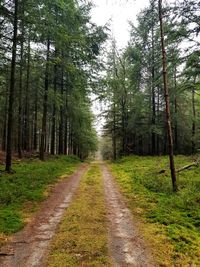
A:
{"x": 82, "y": 236}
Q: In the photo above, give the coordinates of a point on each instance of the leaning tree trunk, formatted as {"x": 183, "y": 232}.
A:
{"x": 167, "y": 102}
{"x": 11, "y": 93}
{"x": 45, "y": 100}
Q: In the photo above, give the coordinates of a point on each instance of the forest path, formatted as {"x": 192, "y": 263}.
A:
{"x": 29, "y": 246}
{"x": 126, "y": 245}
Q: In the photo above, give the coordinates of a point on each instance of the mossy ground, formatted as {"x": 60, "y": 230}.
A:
{"x": 169, "y": 221}
{"x": 82, "y": 237}
{"x": 21, "y": 192}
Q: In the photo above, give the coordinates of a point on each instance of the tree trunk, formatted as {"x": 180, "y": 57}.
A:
{"x": 11, "y": 93}
{"x": 194, "y": 118}
{"x": 5, "y": 117}
{"x": 123, "y": 129}
{"x": 158, "y": 111}
{"x": 71, "y": 140}
{"x": 35, "y": 120}
{"x": 27, "y": 104}
{"x": 45, "y": 100}
{"x": 153, "y": 119}
{"x": 176, "y": 113}
{"x": 21, "y": 87}
{"x": 167, "y": 102}
{"x": 66, "y": 126}
{"x": 53, "y": 128}
{"x": 60, "y": 148}
{"x": 114, "y": 143}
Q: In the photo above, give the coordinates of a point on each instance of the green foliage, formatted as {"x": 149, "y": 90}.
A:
{"x": 106, "y": 148}
{"x": 28, "y": 184}
{"x": 135, "y": 113}
{"x": 64, "y": 78}
{"x": 176, "y": 214}
{"x": 10, "y": 220}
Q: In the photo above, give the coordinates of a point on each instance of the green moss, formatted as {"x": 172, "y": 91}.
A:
{"x": 27, "y": 185}
{"x": 10, "y": 220}
{"x": 150, "y": 196}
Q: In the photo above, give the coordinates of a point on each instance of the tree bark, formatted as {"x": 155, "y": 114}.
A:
{"x": 11, "y": 92}
{"x": 176, "y": 113}
{"x": 66, "y": 135}
{"x": 194, "y": 118}
{"x": 27, "y": 104}
{"x": 35, "y": 120}
{"x": 167, "y": 102}
{"x": 53, "y": 128}
{"x": 5, "y": 117}
{"x": 45, "y": 102}
{"x": 21, "y": 86}
{"x": 60, "y": 147}
{"x": 158, "y": 111}
{"x": 114, "y": 143}
{"x": 66, "y": 125}
{"x": 153, "y": 119}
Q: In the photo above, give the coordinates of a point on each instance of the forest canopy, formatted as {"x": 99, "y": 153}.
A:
{"x": 135, "y": 117}
{"x": 48, "y": 64}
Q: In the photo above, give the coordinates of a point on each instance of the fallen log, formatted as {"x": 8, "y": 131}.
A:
{"x": 194, "y": 164}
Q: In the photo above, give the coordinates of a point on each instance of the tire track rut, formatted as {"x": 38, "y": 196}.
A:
{"x": 126, "y": 245}
{"x": 29, "y": 246}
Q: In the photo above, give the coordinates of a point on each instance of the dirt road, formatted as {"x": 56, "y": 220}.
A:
{"x": 126, "y": 245}
{"x": 29, "y": 246}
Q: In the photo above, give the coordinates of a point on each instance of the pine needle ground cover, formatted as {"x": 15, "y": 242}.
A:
{"x": 82, "y": 237}
{"x": 21, "y": 192}
{"x": 169, "y": 221}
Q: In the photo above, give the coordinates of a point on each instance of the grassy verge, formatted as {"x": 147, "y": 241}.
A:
{"x": 169, "y": 221}
{"x": 82, "y": 237}
{"x": 20, "y": 193}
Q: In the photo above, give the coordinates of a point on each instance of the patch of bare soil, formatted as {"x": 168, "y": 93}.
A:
{"x": 28, "y": 247}
{"x": 126, "y": 244}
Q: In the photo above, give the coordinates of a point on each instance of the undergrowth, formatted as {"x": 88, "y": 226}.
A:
{"x": 170, "y": 221}
{"x": 21, "y": 192}
{"x": 82, "y": 237}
